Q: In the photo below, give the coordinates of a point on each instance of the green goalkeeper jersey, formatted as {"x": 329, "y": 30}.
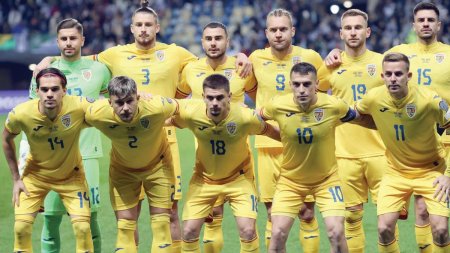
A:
{"x": 85, "y": 78}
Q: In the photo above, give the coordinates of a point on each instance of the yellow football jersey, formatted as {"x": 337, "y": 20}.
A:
{"x": 222, "y": 150}
{"x": 408, "y": 128}
{"x": 54, "y": 147}
{"x": 155, "y": 71}
{"x": 195, "y": 73}
{"x": 308, "y": 137}
{"x": 140, "y": 143}
{"x": 272, "y": 75}
{"x": 430, "y": 68}
{"x": 350, "y": 82}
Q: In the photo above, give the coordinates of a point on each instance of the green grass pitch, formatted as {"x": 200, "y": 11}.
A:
{"x": 108, "y": 225}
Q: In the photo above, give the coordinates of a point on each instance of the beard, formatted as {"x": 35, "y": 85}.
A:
{"x": 218, "y": 56}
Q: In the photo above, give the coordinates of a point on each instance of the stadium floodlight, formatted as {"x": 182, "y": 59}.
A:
{"x": 334, "y": 9}
{"x": 348, "y": 4}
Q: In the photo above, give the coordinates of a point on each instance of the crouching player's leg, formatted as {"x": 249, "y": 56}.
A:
{"x": 212, "y": 234}
{"x": 437, "y": 202}
{"x": 74, "y": 194}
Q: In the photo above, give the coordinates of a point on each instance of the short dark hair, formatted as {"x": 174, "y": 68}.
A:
{"x": 122, "y": 86}
{"x": 396, "y": 57}
{"x": 145, "y": 7}
{"x": 426, "y": 6}
{"x": 303, "y": 68}
{"x": 70, "y": 23}
{"x": 217, "y": 81}
{"x": 51, "y": 72}
{"x": 215, "y": 24}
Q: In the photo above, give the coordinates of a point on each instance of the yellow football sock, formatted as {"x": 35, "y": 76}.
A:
{"x": 162, "y": 238}
{"x": 268, "y": 234}
{"x": 391, "y": 247}
{"x": 441, "y": 248}
{"x": 354, "y": 232}
{"x": 249, "y": 245}
{"x": 192, "y": 246}
{"x": 23, "y": 227}
{"x": 82, "y": 230}
{"x": 176, "y": 246}
{"x": 424, "y": 238}
{"x": 125, "y": 236}
{"x": 213, "y": 236}
{"x": 309, "y": 236}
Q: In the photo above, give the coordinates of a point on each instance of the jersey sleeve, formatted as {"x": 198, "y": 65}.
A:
{"x": 106, "y": 74}
{"x": 325, "y": 76}
{"x": 183, "y": 86}
{"x": 250, "y": 83}
{"x": 185, "y": 57}
{"x": 267, "y": 111}
{"x": 179, "y": 120}
{"x": 440, "y": 107}
{"x": 257, "y": 124}
{"x": 12, "y": 123}
{"x": 106, "y": 57}
{"x": 363, "y": 105}
{"x": 169, "y": 106}
{"x": 345, "y": 112}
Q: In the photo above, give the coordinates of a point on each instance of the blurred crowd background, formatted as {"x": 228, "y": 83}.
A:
{"x": 29, "y": 26}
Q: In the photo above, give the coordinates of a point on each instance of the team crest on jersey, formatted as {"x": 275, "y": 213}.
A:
{"x": 65, "y": 120}
{"x": 296, "y": 59}
{"x": 439, "y": 57}
{"x": 318, "y": 114}
{"x": 231, "y": 128}
{"x": 145, "y": 122}
{"x": 410, "y": 110}
{"x": 87, "y": 74}
{"x": 371, "y": 69}
{"x": 160, "y": 55}
{"x": 228, "y": 73}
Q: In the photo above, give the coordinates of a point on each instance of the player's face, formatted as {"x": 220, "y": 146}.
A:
{"x": 70, "y": 42}
{"x": 354, "y": 31}
{"x": 214, "y": 42}
{"x": 396, "y": 78}
{"x": 125, "y": 107}
{"x": 304, "y": 88}
{"x": 279, "y": 32}
{"x": 426, "y": 25}
{"x": 217, "y": 102}
{"x": 50, "y": 92}
{"x": 144, "y": 29}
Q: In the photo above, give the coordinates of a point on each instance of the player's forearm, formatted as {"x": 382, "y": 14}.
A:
{"x": 9, "y": 148}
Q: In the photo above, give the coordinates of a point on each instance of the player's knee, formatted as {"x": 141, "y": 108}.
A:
{"x": 279, "y": 234}
{"x": 386, "y": 232}
{"x": 247, "y": 233}
{"x": 81, "y": 226}
{"x": 335, "y": 232}
{"x": 23, "y": 226}
{"x": 440, "y": 234}
{"x": 190, "y": 233}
